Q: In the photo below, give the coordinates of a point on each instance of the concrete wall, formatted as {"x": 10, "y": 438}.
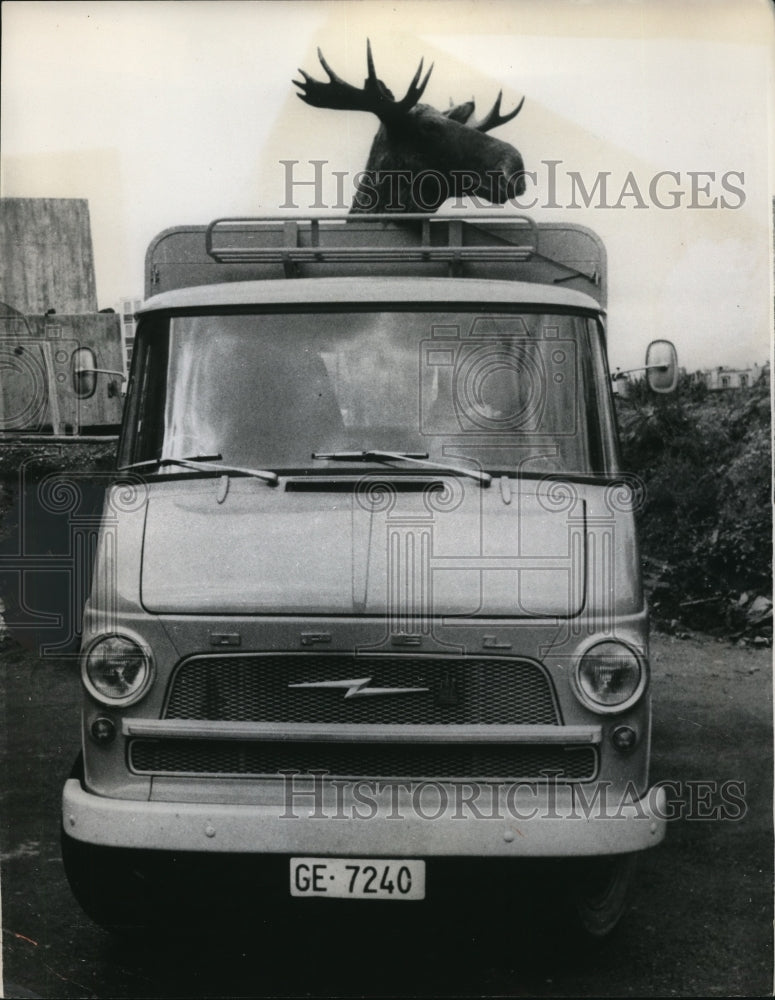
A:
{"x": 47, "y": 256}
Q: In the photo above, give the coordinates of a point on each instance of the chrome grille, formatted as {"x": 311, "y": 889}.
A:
{"x": 255, "y": 688}
{"x": 224, "y": 758}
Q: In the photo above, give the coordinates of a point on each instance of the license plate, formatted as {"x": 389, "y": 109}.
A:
{"x": 357, "y": 878}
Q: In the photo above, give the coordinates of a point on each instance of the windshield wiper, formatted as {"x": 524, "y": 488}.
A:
{"x": 166, "y": 461}
{"x": 209, "y": 462}
{"x": 416, "y": 458}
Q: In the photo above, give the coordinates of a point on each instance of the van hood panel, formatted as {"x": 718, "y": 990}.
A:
{"x": 403, "y": 553}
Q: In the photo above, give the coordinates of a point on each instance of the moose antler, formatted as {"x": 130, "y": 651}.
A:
{"x": 416, "y": 141}
{"x": 374, "y": 96}
{"x": 494, "y": 118}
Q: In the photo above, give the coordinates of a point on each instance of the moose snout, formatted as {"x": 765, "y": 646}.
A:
{"x": 508, "y": 181}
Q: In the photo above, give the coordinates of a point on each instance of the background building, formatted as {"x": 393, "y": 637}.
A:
{"x": 126, "y": 309}
{"x": 735, "y": 378}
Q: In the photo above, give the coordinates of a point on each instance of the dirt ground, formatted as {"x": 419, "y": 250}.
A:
{"x": 700, "y": 923}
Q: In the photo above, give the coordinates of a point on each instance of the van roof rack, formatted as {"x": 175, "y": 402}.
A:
{"x": 319, "y": 240}
{"x": 512, "y": 247}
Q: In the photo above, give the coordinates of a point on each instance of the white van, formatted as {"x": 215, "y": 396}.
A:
{"x": 367, "y": 609}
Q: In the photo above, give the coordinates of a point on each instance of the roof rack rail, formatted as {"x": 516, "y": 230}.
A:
{"x": 311, "y": 240}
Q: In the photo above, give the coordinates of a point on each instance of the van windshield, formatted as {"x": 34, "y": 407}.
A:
{"x": 520, "y": 392}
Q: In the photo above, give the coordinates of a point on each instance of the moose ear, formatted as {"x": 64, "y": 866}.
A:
{"x": 460, "y": 113}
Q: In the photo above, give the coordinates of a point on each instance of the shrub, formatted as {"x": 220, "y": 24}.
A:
{"x": 705, "y": 459}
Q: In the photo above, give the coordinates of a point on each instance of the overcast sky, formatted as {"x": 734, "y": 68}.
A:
{"x": 169, "y": 113}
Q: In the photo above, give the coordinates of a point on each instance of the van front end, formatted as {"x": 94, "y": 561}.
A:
{"x": 323, "y": 748}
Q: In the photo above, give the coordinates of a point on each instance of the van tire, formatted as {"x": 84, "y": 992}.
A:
{"x": 101, "y": 879}
{"x": 598, "y": 894}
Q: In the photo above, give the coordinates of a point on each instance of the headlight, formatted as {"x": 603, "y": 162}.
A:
{"x": 610, "y": 677}
{"x": 116, "y": 670}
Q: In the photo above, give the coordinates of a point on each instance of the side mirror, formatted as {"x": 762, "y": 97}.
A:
{"x": 662, "y": 366}
{"x": 84, "y": 371}
{"x": 85, "y": 374}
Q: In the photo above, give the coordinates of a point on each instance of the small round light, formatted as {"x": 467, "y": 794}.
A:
{"x": 116, "y": 670}
{"x": 609, "y": 676}
{"x": 624, "y": 738}
{"x": 103, "y": 731}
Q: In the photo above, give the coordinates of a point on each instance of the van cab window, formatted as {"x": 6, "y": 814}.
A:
{"x": 270, "y": 390}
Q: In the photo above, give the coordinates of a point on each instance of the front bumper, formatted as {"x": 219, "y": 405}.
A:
{"x": 431, "y": 819}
